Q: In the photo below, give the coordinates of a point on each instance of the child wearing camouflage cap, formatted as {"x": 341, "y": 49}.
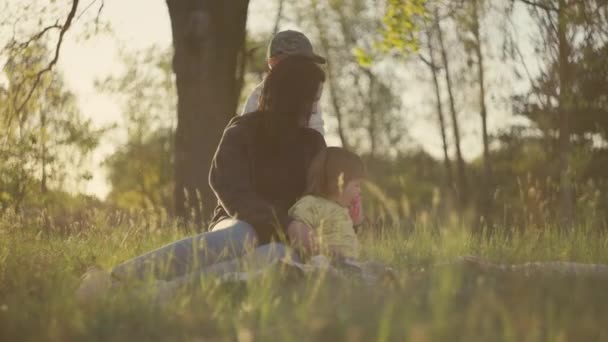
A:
{"x": 283, "y": 44}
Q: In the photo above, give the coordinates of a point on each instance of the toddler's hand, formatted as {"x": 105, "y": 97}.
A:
{"x": 356, "y": 211}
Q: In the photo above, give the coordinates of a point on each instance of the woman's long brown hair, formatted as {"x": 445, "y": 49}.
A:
{"x": 289, "y": 92}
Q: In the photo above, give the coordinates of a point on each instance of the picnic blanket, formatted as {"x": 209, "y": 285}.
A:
{"x": 96, "y": 282}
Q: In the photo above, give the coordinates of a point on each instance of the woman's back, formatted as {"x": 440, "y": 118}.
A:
{"x": 261, "y": 177}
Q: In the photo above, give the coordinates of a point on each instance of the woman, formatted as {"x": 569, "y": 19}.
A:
{"x": 257, "y": 174}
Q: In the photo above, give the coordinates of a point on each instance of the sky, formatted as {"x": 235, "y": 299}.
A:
{"x": 83, "y": 61}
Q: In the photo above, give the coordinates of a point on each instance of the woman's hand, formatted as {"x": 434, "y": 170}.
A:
{"x": 302, "y": 238}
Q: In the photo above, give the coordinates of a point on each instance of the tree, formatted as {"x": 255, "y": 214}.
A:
{"x": 362, "y": 97}
{"x": 45, "y": 140}
{"x": 441, "y": 122}
{"x": 140, "y": 171}
{"x": 403, "y": 21}
{"x": 208, "y": 38}
{"x": 332, "y": 84}
{"x": 470, "y": 21}
{"x": 590, "y": 106}
{"x": 407, "y": 23}
{"x": 462, "y": 188}
{"x": 279, "y": 16}
{"x": 18, "y": 21}
{"x": 561, "y": 22}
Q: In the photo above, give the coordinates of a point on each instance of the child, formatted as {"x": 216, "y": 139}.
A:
{"x": 283, "y": 44}
{"x": 334, "y": 184}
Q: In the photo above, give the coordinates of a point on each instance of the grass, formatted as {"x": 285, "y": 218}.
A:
{"x": 435, "y": 299}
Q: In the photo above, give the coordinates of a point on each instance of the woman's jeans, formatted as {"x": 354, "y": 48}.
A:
{"x": 228, "y": 240}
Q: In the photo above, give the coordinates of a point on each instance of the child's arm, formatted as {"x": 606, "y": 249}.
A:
{"x": 302, "y": 237}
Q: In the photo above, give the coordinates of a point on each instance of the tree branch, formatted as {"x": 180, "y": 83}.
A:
{"x": 428, "y": 62}
{"x": 64, "y": 28}
{"x": 38, "y": 35}
{"x": 99, "y": 13}
{"x": 85, "y": 10}
{"x": 99, "y": 10}
{"x": 538, "y": 5}
{"x": 278, "y": 18}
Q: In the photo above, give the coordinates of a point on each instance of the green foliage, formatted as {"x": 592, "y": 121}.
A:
{"x": 141, "y": 170}
{"x": 402, "y": 21}
{"x": 363, "y": 57}
{"x": 526, "y": 179}
{"x": 45, "y": 144}
{"x": 146, "y": 90}
{"x": 404, "y": 188}
{"x": 364, "y": 98}
{"x": 588, "y": 127}
{"x": 589, "y": 105}
{"x": 142, "y": 174}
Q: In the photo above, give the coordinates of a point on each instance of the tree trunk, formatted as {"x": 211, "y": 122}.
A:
{"x": 372, "y": 126}
{"x": 441, "y": 119}
{"x": 486, "y": 196}
{"x": 564, "y": 119}
{"x": 350, "y": 39}
{"x": 43, "y": 151}
{"x": 207, "y": 39}
{"x": 331, "y": 80}
{"x": 462, "y": 182}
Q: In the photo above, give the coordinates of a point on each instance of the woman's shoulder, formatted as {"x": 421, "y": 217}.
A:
{"x": 242, "y": 124}
{"x": 312, "y": 134}
{"x": 244, "y": 119}
{"x": 312, "y": 139}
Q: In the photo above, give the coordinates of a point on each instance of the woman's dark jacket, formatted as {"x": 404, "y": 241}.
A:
{"x": 257, "y": 177}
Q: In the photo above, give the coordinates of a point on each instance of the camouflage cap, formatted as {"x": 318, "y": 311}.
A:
{"x": 291, "y": 42}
